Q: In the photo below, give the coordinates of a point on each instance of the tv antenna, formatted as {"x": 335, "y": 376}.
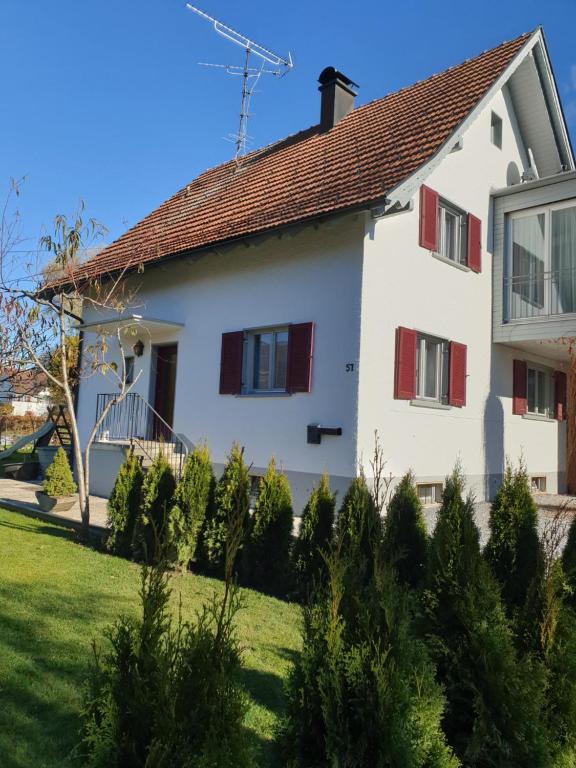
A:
{"x": 271, "y": 64}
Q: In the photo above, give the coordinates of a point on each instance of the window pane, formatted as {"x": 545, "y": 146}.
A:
{"x": 281, "y": 360}
{"x": 451, "y": 224}
{"x": 262, "y": 347}
{"x": 419, "y": 387}
{"x": 527, "y": 279}
{"x": 563, "y": 261}
{"x": 431, "y": 369}
{"x": 531, "y": 390}
{"x": 541, "y": 390}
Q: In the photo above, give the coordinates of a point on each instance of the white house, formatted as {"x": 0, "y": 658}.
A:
{"x": 26, "y": 391}
{"x": 373, "y": 272}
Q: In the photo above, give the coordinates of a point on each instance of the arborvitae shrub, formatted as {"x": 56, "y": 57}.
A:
{"x": 124, "y": 506}
{"x": 363, "y": 691}
{"x": 230, "y": 496}
{"x": 153, "y": 526}
{"x": 194, "y": 494}
{"x": 513, "y": 550}
{"x": 58, "y": 480}
{"x": 359, "y": 529}
{"x": 267, "y": 559}
{"x": 569, "y": 562}
{"x": 167, "y": 694}
{"x": 494, "y": 714}
{"x": 314, "y": 538}
{"x": 406, "y": 539}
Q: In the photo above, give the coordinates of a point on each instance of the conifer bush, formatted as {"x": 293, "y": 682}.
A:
{"x": 268, "y": 561}
{"x": 153, "y": 528}
{"x": 314, "y": 538}
{"x": 495, "y": 702}
{"x": 363, "y": 691}
{"x": 569, "y": 562}
{"x": 406, "y": 541}
{"x": 124, "y": 506}
{"x": 166, "y": 693}
{"x": 58, "y": 480}
{"x": 193, "y": 496}
{"x": 230, "y": 496}
{"x": 513, "y": 550}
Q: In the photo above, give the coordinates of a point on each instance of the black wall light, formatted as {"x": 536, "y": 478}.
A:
{"x": 138, "y": 348}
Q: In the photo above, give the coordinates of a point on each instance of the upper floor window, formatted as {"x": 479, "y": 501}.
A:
{"x": 451, "y": 232}
{"x": 541, "y": 267}
{"x": 496, "y": 130}
{"x": 129, "y": 367}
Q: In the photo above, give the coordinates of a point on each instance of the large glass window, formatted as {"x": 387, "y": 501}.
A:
{"x": 563, "y": 261}
{"x": 431, "y": 368}
{"x": 541, "y": 274}
{"x": 269, "y": 350}
{"x": 528, "y": 257}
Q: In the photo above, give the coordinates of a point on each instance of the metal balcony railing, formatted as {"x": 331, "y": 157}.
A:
{"x": 540, "y": 294}
{"x": 135, "y": 422}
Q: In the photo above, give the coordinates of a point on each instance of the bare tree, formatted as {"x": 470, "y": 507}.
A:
{"x": 42, "y": 299}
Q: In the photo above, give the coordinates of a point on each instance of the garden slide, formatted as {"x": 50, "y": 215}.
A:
{"x": 42, "y": 434}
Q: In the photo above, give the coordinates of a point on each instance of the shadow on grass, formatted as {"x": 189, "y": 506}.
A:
{"x": 46, "y": 529}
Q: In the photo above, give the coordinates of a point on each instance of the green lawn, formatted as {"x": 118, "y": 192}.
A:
{"x": 56, "y": 595}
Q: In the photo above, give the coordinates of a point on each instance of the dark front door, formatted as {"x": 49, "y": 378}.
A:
{"x": 164, "y": 388}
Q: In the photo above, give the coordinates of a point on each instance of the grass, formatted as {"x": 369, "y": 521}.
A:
{"x": 56, "y": 596}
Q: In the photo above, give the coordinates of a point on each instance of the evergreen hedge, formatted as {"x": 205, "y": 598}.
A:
{"x": 513, "y": 550}
{"x": 153, "y": 528}
{"x": 268, "y": 562}
{"x": 124, "y": 506}
{"x": 406, "y": 540}
{"x": 193, "y": 500}
{"x": 230, "y": 497}
{"x": 495, "y": 706}
{"x": 314, "y": 539}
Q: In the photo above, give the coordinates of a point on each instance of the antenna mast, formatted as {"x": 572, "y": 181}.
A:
{"x": 277, "y": 65}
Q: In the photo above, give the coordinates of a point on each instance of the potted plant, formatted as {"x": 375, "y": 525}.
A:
{"x": 58, "y": 489}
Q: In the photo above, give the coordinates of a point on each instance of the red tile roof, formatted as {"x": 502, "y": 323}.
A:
{"x": 368, "y": 153}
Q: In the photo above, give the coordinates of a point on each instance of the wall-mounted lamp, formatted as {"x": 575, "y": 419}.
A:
{"x": 138, "y": 348}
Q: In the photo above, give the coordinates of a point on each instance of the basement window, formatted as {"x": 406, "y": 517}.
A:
{"x": 538, "y": 484}
{"x": 496, "y": 130}
{"x": 429, "y": 493}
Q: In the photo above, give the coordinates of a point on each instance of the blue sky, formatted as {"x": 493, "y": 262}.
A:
{"x": 104, "y": 100}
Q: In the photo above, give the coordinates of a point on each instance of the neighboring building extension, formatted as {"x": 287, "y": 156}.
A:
{"x": 26, "y": 391}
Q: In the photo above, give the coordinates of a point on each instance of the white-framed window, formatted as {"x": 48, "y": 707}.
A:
{"x": 432, "y": 361}
{"x": 496, "y": 130}
{"x": 429, "y": 493}
{"x": 266, "y": 362}
{"x": 539, "y": 391}
{"x": 452, "y": 232}
{"x": 538, "y": 484}
{"x": 129, "y": 367}
{"x": 540, "y": 273}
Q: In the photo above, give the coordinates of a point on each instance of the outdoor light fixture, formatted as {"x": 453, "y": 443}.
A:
{"x": 138, "y": 348}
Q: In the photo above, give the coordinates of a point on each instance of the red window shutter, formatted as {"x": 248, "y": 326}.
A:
{"x": 457, "y": 374}
{"x": 231, "y": 356}
{"x": 474, "y": 250}
{"x": 405, "y": 365}
{"x": 300, "y": 348}
{"x": 519, "y": 388}
{"x": 560, "y": 392}
{"x": 428, "y": 218}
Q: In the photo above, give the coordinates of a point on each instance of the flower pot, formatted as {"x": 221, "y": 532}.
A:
{"x": 55, "y": 503}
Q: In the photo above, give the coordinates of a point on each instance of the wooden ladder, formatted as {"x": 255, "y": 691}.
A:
{"x": 62, "y": 429}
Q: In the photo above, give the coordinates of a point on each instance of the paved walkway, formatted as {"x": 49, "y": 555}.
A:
{"x": 21, "y": 497}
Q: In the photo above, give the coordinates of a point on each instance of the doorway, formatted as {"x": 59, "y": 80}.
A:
{"x": 165, "y": 358}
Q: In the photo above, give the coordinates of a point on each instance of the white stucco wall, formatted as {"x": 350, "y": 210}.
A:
{"x": 404, "y": 284}
{"x": 314, "y": 275}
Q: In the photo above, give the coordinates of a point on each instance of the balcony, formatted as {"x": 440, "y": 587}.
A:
{"x": 535, "y": 270}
